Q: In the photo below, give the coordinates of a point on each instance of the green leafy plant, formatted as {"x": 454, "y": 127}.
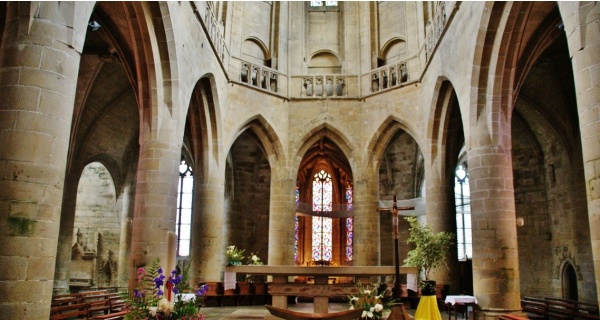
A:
{"x": 430, "y": 247}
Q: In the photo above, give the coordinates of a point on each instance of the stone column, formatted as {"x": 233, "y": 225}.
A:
{"x": 366, "y": 221}
{"x": 440, "y": 210}
{"x": 281, "y": 219}
{"x": 38, "y": 76}
{"x": 207, "y": 248}
{"x": 581, "y": 26}
{"x": 65, "y": 239}
{"x": 495, "y": 252}
{"x": 155, "y": 201}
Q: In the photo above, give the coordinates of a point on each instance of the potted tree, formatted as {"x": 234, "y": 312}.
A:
{"x": 429, "y": 252}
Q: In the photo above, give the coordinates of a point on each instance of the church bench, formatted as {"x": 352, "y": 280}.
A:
{"x": 117, "y": 303}
{"x": 295, "y": 315}
{"x": 535, "y": 308}
{"x": 64, "y": 299}
{"x": 556, "y": 308}
{"x": 70, "y": 311}
{"x": 112, "y": 316}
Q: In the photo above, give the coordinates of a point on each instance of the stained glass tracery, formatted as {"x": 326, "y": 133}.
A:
{"x": 349, "y": 226}
{"x": 322, "y": 227}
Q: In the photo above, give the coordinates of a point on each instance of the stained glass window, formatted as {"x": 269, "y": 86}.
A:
{"x": 349, "y": 226}
{"x": 296, "y": 226}
{"x": 183, "y": 220}
{"x": 322, "y": 227}
{"x": 462, "y": 193}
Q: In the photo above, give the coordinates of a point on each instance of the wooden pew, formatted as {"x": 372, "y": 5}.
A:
{"x": 112, "y": 316}
{"x": 556, "y": 308}
{"x": 535, "y": 308}
{"x": 70, "y": 311}
{"x": 87, "y": 304}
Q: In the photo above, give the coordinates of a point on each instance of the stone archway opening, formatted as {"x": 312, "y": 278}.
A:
{"x": 95, "y": 252}
{"x": 569, "y": 283}
{"x": 324, "y": 195}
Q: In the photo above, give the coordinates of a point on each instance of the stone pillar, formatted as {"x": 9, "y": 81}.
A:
{"x": 37, "y": 88}
{"x": 440, "y": 210}
{"x": 366, "y": 221}
{"x": 155, "y": 201}
{"x": 495, "y": 252}
{"x": 208, "y": 248}
{"x": 281, "y": 219}
{"x": 65, "y": 239}
{"x": 581, "y": 27}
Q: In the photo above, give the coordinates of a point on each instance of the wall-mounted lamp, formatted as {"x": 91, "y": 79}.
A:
{"x": 520, "y": 222}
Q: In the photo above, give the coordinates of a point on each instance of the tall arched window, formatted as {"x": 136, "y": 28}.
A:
{"x": 184, "y": 209}
{"x": 322, "y": 227}
{"x": 462, "y": 198}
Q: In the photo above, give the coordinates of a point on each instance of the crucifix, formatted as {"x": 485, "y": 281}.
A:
{"x": 395, "y": 209}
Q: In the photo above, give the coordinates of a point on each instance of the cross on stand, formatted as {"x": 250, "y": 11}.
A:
{"x": 394, "y": 210}
{"x": 397, "y": 313}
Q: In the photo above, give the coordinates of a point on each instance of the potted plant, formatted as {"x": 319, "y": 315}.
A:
{"x": 429, "y": 252}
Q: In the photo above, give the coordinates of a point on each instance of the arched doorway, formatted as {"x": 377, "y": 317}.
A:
{"x": 569, "y": 283}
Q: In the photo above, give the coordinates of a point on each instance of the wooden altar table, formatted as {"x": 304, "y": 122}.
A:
{"x": 321, "y": 291}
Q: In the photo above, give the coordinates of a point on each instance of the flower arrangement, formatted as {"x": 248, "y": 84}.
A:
{"x": 376, "y": 302}
{"x": 234, "y": 255}
{"x": 148, "y": 301}
{"x": 253, "y": 259}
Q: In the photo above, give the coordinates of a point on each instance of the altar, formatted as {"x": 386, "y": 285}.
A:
{"x": 280, "y": 288}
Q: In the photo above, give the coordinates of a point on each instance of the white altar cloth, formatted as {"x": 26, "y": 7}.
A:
{"x": 460, "y": 299}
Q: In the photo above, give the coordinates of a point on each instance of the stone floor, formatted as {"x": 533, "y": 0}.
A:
{"x": 260, "y": 312}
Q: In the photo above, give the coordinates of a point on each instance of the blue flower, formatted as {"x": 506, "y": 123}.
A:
{"x": 175, "y": 290}
{"x": 159, "y": 293}
{"x": 158, "y": 282}
{"x": 160, "y": 270}
{"x": 137, "y": 293}
{"x": 202, "y": 290}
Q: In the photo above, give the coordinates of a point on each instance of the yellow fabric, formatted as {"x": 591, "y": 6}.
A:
{"x": 428, "y": 309}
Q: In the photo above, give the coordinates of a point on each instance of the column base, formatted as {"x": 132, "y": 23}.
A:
{"x": 480, "y": 313}
{"x": 60, "y": 287}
